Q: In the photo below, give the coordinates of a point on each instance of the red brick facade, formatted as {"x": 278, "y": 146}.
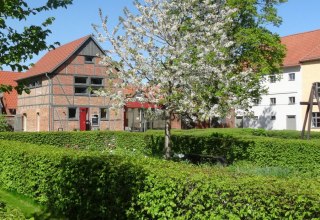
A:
{"x": 61, "y": 98}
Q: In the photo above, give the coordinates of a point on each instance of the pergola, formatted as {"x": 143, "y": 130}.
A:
{"x": 308, "y": 115}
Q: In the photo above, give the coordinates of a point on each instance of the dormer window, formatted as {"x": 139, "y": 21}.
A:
{"x": 88, "y": 59}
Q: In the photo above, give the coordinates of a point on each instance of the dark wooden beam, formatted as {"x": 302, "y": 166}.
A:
{"x": 308, "y": 103}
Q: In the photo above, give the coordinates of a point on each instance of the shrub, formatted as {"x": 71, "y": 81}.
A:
{"x": 4, "y": 125}
{"x": 236, "y": 145}
{"x": 95, "y": 185}
{"x": 77, "y": 184}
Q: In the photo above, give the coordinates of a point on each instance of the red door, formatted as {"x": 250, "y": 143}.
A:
{"x": 83, "y": 118}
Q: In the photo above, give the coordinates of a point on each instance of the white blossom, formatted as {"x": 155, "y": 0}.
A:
{"x": 177, "y": 53}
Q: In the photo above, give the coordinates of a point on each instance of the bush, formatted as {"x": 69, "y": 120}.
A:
{"x": 236, "y": 145}
{"x": 4, "y": 125}
{"x": 95, "y": 185}
{"x": 77, "y": 184}
{"x": 196, "y": 195}
{"x": 300, "y": 155}
{"x": 90, "y": 140}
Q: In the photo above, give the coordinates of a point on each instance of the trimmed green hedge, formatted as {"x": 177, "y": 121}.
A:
{"x": 299, "y": 155}
{"x": 236, "y": 145}
{"x": 90, "y": 140}
{"x": 77, "y": 184}
{"x": 95, "y": 185}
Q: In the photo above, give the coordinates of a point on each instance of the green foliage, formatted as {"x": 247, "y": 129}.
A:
{"x": 77, "y": 184}
{"x": 238, "y": 146}
{"x": 258, "y": 147}
{"x": 4, "y": 126}
{"x": 9, "y": 213}
{"x": 95, "y": 185}
{"x": 182, "y": 194}
{"x": 20, "y": 203}
{"x": 91, "y": 140}
{"x": 19, "y": 46}
{"x": 257, "y": 47}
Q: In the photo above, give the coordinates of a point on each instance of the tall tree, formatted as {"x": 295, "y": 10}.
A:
{"x": 184, "y": 56}
{"x": 19, "y": 46}
{"x": 257, "y": 47}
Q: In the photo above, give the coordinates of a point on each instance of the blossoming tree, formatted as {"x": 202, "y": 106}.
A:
{"x": 179, "y": 55}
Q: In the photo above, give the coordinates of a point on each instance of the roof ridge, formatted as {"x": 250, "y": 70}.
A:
{"x": 68, "y": 43}
{"x": 85, "y": 38}
{"x": 306, "y": 32}
{"x": 60, "y": 55}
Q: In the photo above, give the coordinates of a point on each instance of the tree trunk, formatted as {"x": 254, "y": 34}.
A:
{"x": 167, "y": 140}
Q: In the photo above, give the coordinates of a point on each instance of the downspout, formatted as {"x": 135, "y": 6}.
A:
{"x": 50, "y": 102}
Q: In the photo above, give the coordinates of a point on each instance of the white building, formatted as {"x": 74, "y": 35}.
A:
{"x": 280, "y": 108}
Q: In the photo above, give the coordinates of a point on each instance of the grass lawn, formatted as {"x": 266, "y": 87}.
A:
{"x": 23, "y": 204}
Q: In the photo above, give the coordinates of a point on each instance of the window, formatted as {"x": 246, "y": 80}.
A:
{"x": 96, "y": 81}
{"x": 72, "y": 113}
{"x": 318, "y": 89}
{"x": 80, "y": 80}
{"x": 35, "y": 84}
{"x": 292, "y": 76}
{"x": 80, "y": 90}
{"x": 316, "y": 119}
{"x": 292, "y": 100}
{"x": 89, "y": 59}
{"x": 273, "y": 101}
{"x": 273, "y": 117}
{"x": 256, "y": 101}
{"x": 87, "y": 85}
{"x": 104, "y": 113}
{"x": 12, "y": 111}
{"x": 272, "y": 78}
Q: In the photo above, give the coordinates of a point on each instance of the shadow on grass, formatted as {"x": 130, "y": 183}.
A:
{"x": 17, "y": 206}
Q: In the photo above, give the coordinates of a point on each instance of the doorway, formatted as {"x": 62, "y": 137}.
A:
{"x": 83, "y": 118}
{"x": 291, "y": 122}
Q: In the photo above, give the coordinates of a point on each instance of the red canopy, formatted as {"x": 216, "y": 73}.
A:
{"x": 141, "y": 105}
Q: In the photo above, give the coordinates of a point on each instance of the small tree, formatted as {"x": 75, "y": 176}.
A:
{"x": 180, "y": 54}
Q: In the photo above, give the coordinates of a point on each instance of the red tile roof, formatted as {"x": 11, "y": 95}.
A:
{"x": 8, "y": 78}
{"x": 54, "y": 58}
{"x": 301, "y": 47}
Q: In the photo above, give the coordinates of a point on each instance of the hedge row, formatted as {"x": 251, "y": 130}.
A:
{"x": 235, "y": 145}
{"x": 95, "y": 185}
{"x": 77, "y": 184}
{"x": 299, "y": 155}
{"x": 90, "y": 140}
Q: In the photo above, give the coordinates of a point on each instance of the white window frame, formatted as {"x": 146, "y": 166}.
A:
{"x": 273, "y": 101}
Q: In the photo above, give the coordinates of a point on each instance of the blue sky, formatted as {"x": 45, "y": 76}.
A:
{"x": 75, "y": 21}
